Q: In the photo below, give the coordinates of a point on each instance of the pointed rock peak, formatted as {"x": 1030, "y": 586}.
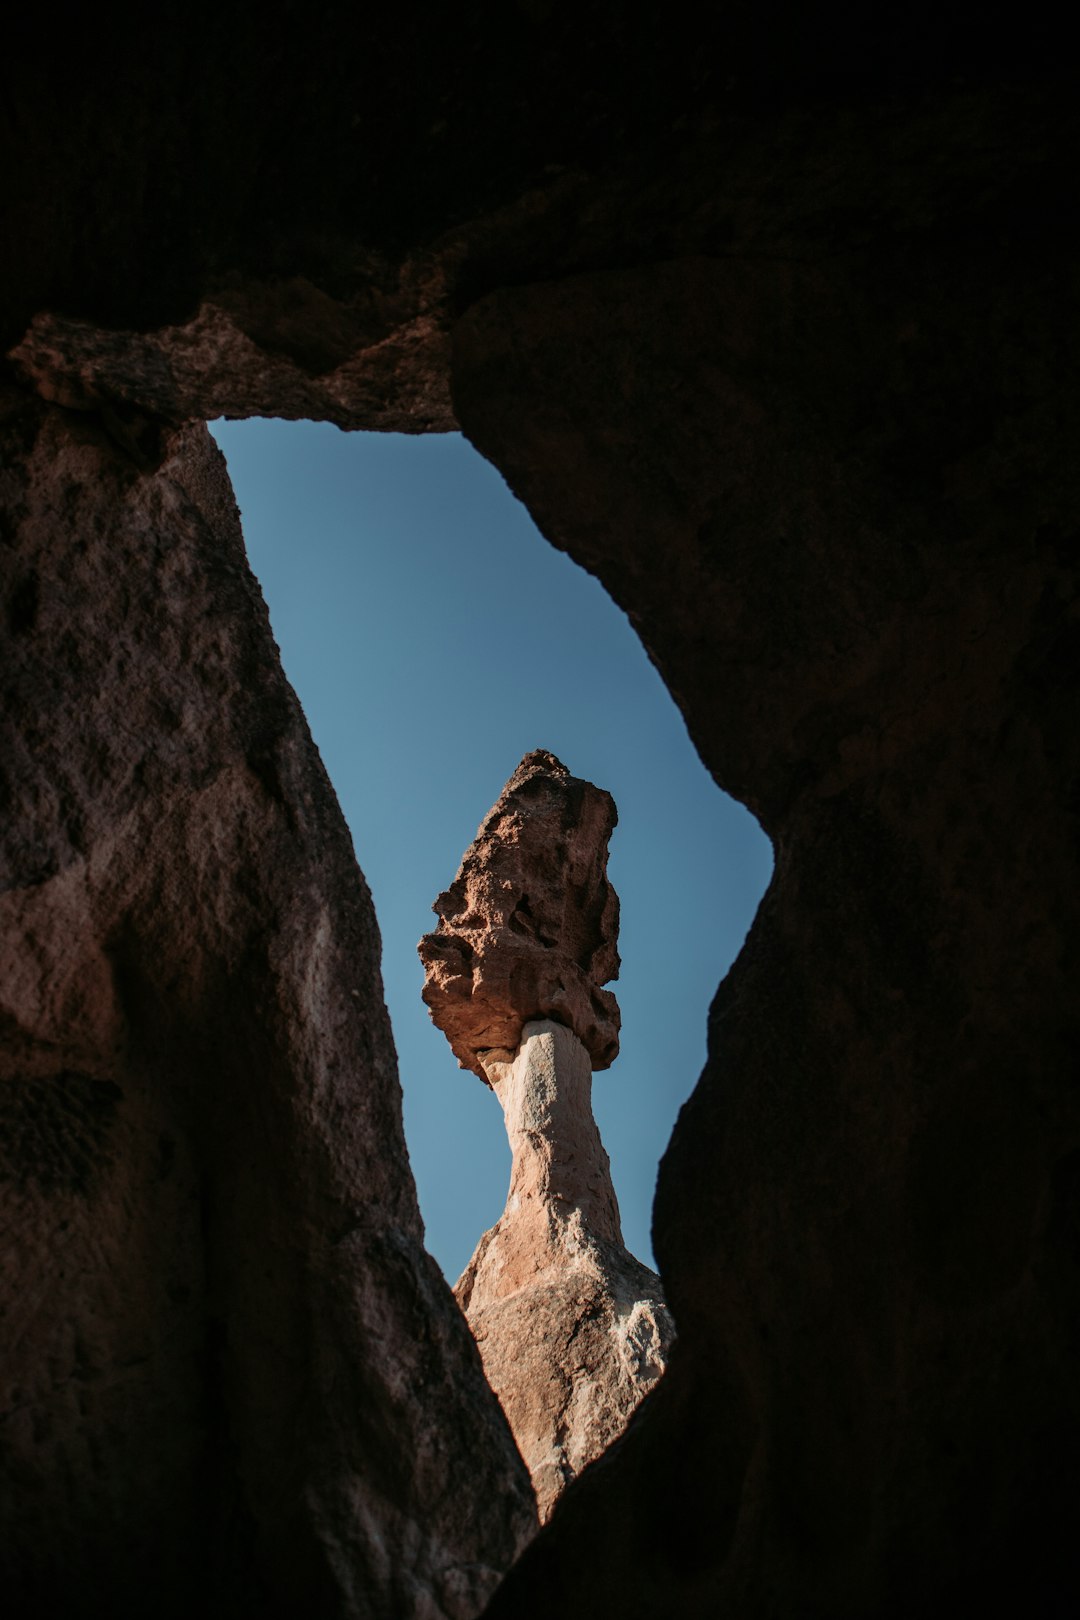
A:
{"x": 529, "y": 927}
{"x": 538, "y": 761}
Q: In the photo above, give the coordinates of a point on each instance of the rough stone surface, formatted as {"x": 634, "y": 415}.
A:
{"x": 780, "y": 340}
{"x": 221, "y": 1334}
{"x": 221, "y": 363}
{"x": 572, "y": 1329}
{"x": 529, "y": 927}
{"x": 835, "y": 498}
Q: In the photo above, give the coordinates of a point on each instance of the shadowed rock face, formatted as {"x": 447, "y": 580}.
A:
{"x": 862, "y": 598}
{"x": 529, "y": 927}
{"x": 780, "y": 341}
{"x": 221, "y": 1332}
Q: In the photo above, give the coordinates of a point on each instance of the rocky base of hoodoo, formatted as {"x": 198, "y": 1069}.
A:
{"x": 573, "y": 1331}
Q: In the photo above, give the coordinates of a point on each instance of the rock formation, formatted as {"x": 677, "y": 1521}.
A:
{"x": 572, "y": 1329}
{"x": 529, "y": 926}
{"x": 777, "y": 339}
{"x": 221, "y": 1332}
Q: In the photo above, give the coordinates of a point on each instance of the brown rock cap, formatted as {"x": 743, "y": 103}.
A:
{"x": 529, "y": 927}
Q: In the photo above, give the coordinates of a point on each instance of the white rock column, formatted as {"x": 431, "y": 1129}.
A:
{"x": 572, "y": 1329}
{"x": 560, "y": 1167}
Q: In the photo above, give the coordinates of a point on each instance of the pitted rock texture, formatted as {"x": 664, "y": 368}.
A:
{"x": 780, "y": 341}
{"x": 221, "y": 1332}
{"x": 266, "y": 354}
{"x": 529, "y": 927}
{"x": 572, "y": 1329}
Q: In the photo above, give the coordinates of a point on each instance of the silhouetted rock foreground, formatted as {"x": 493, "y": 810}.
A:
{"x": 221, "y": 1331}
{"x": 778, "y": 339}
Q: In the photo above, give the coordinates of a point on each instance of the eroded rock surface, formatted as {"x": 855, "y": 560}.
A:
{"x": 866, "y": 1218}
{"x": 233, "y": 1381}
{"x": 780, "y": 341}
{"x": 572, "y": 1329}
{"x": 529, "y": 927}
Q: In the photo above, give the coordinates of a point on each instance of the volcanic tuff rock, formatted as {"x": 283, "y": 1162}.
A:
{"x": 221, "y": 1332}
{"x": 572, "y": 1329}
{"x": 780, "y": 341}
{"x": 529, "y": 927}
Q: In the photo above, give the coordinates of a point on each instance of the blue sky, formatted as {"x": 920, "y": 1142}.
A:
{"x": 433, "y": 638}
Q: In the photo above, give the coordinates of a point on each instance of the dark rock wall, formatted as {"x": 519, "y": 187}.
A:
{"x": 838, "y": 500}
{"x": 779, "y": 339}
{"x": 233, "y": 1380}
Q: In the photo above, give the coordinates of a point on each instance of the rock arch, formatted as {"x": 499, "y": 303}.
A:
{"x": 786, "y": 361}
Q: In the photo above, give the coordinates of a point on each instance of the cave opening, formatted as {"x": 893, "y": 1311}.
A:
{"x": 432, "y": 638}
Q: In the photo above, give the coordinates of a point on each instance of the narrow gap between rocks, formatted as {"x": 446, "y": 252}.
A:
{"x": 433, "y": 638}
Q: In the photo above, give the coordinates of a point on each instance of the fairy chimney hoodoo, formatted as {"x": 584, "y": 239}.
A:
{"x": 572, "y": 1329}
